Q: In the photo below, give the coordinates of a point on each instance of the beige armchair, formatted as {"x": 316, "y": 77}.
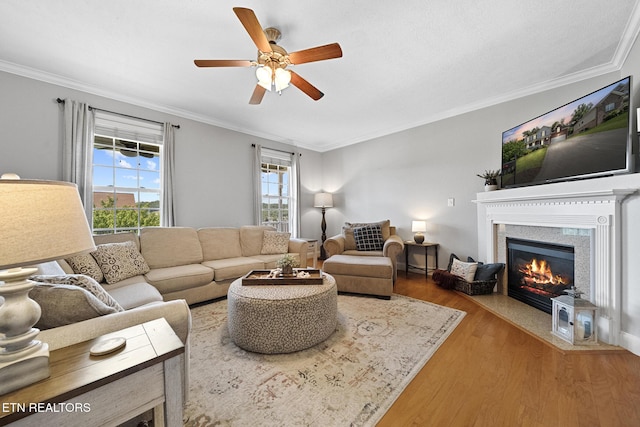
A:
{"x": 345, "y": 243}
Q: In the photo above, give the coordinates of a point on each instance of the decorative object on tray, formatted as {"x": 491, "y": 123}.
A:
{"x": 274, "y": 277}
{"x": 490, "y": 179}
{"x": 287, "y": 263}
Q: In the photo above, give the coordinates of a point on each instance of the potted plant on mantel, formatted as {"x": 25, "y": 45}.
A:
{"x": 287, "y": 263}
{"x": 490, "y": 179}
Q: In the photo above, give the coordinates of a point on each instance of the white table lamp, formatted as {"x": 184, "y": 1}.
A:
{"x": 418, "y": 227}
{"x": 41, "y": 221}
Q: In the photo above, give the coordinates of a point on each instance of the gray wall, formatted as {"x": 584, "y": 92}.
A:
{"x": 213, "y": 165}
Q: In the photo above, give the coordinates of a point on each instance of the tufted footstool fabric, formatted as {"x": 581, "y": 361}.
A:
{"x": 274, "y": 319}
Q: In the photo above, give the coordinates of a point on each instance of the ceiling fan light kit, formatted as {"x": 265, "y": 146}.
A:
{"x": 273, "y": 59}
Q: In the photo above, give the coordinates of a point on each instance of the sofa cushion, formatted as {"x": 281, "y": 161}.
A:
{"x": 368, "y": 238}
{"x": 275, "y": 242}
{"x": 466, "y": 270}
{"x": 180, "y": 277}
{"x": 349, "y": 239}
{"x": 65, "y": 304}
{"x": 135, "y": 295}
{"x": 86, "y": 264}
{"x": 119, "y": 261}
{"x": 219, "y": 243}
{"x": 81, "y": 281}
{"x": 170, "y": 246}
{"x": 232, "y": 268}
{"x": 251, "y": 238}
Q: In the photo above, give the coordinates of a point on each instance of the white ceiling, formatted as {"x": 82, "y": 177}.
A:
{"x": 403, "y": 65}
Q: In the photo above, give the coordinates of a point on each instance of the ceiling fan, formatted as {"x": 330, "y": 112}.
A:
{"x": 273, "y": 60}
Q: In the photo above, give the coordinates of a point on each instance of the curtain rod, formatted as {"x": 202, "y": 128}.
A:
{"x": 281, "y": 151}
{"x": 61, "y": 101}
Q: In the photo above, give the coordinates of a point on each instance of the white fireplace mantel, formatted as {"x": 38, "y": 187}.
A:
{"x": 597, "y": 210}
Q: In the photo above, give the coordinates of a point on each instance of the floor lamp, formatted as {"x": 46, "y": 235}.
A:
{"x": 41, "y": 221}
{"x": 323, "y": 200}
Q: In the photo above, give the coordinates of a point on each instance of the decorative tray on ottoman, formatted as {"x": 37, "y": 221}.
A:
{"x": 303, "y": 276}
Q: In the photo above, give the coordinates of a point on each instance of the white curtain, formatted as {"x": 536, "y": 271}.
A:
{"x": 168, "y": 173}
{"x": 257, "y": 184}
{"x": 77, "y": 156}
{"x": 295, "y": 194}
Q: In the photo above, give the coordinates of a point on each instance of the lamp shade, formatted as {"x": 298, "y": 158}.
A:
{"x": 418, "y": 226}
{"x": 323, "y": 200}
{"x": 41, "y": 221}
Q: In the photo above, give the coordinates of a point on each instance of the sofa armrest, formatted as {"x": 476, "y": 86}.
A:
{"x": 334, "y": 245}
{"x": 176, "y": 313}
{"x": 393, "y": 247}
{"x": 300, "y": 247}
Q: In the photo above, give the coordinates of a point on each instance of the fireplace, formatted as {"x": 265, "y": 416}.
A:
{"x": 538, "y": 271}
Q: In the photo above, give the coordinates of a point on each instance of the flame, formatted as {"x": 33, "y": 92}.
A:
{"x": 539, "y": 271}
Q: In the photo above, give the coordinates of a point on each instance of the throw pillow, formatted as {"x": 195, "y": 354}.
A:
{"x": 466, "y": 270}
{"x": 81, "y": 281}
{"x": 119, "y": 261}
{"x": 451, "y": 258}
{"x": 275, "y": 242}
{"x": 349, "y": 239}
{"x": 87, "y": 265}
{"x": 65, "y": 304}
{"x": 488, "y": 271}
{"x": 368, "y": 238}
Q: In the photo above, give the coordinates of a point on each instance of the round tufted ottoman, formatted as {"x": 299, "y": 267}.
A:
{"x": 282, "y": 318}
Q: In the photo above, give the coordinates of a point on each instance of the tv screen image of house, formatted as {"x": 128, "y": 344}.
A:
{"x": 586, "y": 138}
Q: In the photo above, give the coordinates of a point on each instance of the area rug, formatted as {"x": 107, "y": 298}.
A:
{"x": 351, "y": 379}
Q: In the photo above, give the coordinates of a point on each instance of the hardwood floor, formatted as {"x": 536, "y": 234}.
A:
{"x": 490, "y": 373}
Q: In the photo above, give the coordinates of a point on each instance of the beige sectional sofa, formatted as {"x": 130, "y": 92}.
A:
{"x": 179, "y": 266}
{"x": 198, "y": 264}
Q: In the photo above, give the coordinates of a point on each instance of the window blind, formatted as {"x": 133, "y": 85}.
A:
{"x": 125, "y": 127}
{"x": 275, "y": 157}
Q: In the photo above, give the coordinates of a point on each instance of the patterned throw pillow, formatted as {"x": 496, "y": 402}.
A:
{"x": 275, "y": 242}
{"x": 368, "y": 238}
{"x": 81, "y": 281}
{"x": 466, "y": 270}
{"x": 119, "y": 261}
{"x": 65, "y": 304}
{"x": 87, "y": 265}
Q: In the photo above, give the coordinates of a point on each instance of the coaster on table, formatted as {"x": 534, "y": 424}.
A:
{"x": 107, "y": 346}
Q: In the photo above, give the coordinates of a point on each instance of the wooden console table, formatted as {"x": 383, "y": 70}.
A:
{"x": 426, "y": 245}
{"x": 85, "y": 390}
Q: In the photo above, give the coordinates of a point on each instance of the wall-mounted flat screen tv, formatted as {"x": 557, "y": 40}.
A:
{"x": 589, "y": 137}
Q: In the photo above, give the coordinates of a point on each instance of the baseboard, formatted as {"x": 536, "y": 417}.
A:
{"x": 630, "y": 342}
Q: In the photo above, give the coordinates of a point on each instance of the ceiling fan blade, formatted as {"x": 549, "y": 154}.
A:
{"x": 221, "y": 63}
{"x": 253, "y": 27}
{"x": 319, "y": 53}
{"x": 305, "y": 86}
{"x": 258, "y": 93}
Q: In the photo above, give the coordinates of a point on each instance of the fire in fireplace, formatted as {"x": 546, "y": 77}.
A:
{"x": 538, "y": 271}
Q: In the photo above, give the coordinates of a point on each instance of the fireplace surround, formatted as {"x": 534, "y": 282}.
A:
{"x": 594, "y": 215}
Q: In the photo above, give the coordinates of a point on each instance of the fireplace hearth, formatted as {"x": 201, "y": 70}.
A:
{"x": 538, "y": 271}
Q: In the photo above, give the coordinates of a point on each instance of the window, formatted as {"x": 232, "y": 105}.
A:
{"x": 610, "y": 107}
{"x": 126, "y": 175}
{"x": 276, "y": 195}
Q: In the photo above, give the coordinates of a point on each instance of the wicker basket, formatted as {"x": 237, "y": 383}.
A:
{"x": 478, "y": 287}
